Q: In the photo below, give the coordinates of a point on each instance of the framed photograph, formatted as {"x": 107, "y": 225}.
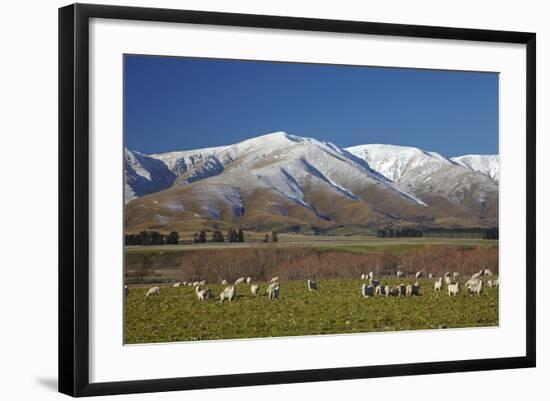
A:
{"x": 250, "y": 199}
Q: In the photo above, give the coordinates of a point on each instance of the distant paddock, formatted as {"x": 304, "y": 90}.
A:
{"x": 306, "y": 257}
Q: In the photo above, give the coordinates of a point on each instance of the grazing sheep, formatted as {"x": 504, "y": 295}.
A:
{"x": 379, "y": 290}
{"x": 475, "y": 287}
{"x": 203, "y": 294}
{"x": 367, "y": 290}
{"x": 363, "y": 276}
{"x": 273, "y": 291}
{"x": 453, "y": 289}
{"x": 400, "y": 274}
{"x": 416, "y": 289}
{"x": 248, "y": 280}
{"x": 375, "y": 283}
{"x": 274, "y": 279}
{"x": 255, "y": 289}
{"x": 487, "y": 272}
{"x": 438, "y": 284}
{"x": 176, "y": 284}
{"x": 228, "y": 294}
{"x": 457, "y": 276}
{"x": 184, "y": 283}
{"x": 402, "y": 290}
{"x": 125, "y": 291}
{"x": 492, "y": 283}
{"x": 419, "y": 274}
{"x": 371, "y": 275}
{"x": 448, "y": 280}
{"x": 390, "y": 291}
{"x": 240, "y": 280}
{"x": 312, "y": 285}
{"x": 153, "y": 291}
{"x": 224, "y": 282}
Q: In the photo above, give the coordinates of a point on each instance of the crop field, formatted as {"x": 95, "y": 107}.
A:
{"x": 338, "y": 307}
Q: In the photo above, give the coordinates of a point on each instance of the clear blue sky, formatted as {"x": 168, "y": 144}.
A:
{"x": 185, "y": 103}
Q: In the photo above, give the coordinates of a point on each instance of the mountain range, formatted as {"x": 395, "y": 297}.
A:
{"x": 285, "y": 182}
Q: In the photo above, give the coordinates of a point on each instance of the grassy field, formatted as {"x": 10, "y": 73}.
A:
{"x": 338, "y": 307}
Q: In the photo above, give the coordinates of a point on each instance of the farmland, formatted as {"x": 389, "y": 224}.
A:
{"x": 338, "y": 307}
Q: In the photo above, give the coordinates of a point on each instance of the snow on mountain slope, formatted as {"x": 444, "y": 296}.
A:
{"x": 394, "y": 162}
{"x": 432, "y": 177}
{"x": 281, "y": 179}
{"x": 144, "y": 175}
{"x": 485, "y": 164}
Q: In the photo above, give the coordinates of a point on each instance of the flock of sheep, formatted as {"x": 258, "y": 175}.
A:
{"x": 371, "y": 288}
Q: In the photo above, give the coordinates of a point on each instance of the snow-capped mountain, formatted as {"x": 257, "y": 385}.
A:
{"x": 294, "y": 183}
{"x": 144, "y": 175}
{"x": 485, "y": 164}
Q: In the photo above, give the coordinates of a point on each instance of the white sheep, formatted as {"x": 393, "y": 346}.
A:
{"x": 274, "y": 279}
{"x": 184, "y": 283}
{"x": 453, "y": 289}
{"x": 248, "y": 280}
{"x": 228, "y": 294}
{"x": 153, "y": 291}
{"x": 431, "y": 275}
{"x": 240, "y": 280}
{"x": 400, "y": 274}
{"x": 419, "y": 274}
{"x": 379, "y": 290}
{"x": 363, "y": 276}
{"x": 448, "y": 280}
{"x": 176, "y": 284}
{"x": 202, "y": 282}
{"x": 224, "y": 282}
{"x": 475, "y": 287}
{"x": 371, "y": 275}
{"x": 203, "y": 294}
{"x": 255, "y": 289}
{"x": 476, "y": 276}
{"x": 273, "y": 291}
{"x": 492, "y": 283}
{"x": 367, "y": 290}
{"x": 447, "y": 274}
{"x": 438, "y": 284}
{"x": 487, "y": 272}
{"x": 312, "y": 285}
{"x": 457, "y": 276}
{"x": 195, "y": 283}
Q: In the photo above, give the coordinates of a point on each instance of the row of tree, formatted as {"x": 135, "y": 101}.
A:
{"x": 479, "y": 233}
{"x": 151, "y": 238}
{"x": 217, "y": 236}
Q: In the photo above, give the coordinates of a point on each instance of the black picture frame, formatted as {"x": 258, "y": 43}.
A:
{"x": 74, "y": 201}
